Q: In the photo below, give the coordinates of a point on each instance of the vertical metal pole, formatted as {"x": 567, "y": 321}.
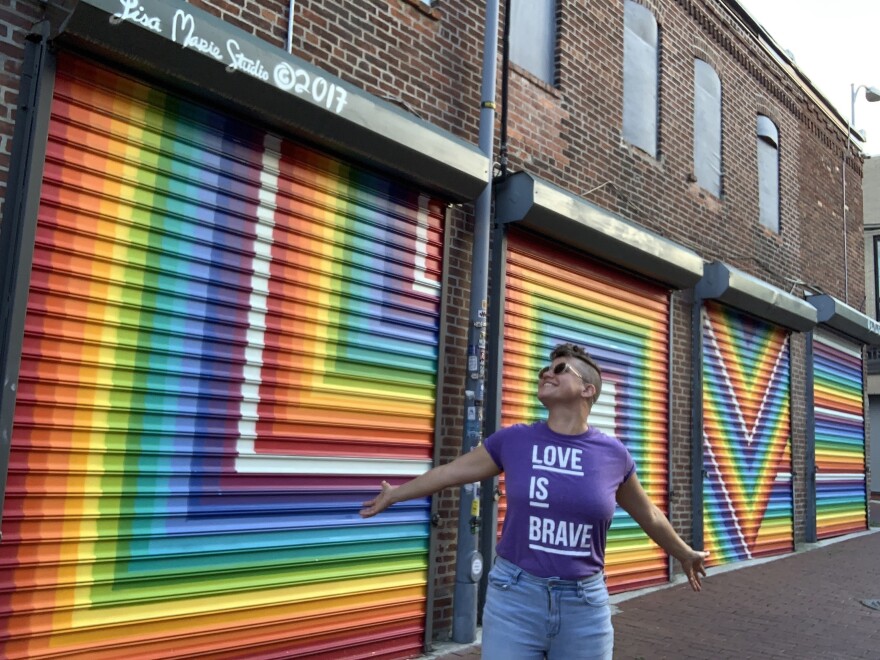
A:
{"x": 492, "y": 418}
{"x": 468, "y": 561}
{"x": 851, "y": 120}
{"x": 291, "y": 9}
{"x": 852, "y": 106}
{"x": 845, "y": 255}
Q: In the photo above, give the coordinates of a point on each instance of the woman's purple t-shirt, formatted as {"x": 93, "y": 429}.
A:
{"x": 561, "y": 495}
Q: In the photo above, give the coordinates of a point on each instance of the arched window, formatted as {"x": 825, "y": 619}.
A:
{"x": 707, "y": 127}
{"x": 768, "y": 172}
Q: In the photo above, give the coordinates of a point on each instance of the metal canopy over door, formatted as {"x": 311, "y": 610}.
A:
{"x": 553, "y": 296}
{"x": 229, "y": 339}
{"x": 838, "y": 396}
{"x": 747, "y": 505}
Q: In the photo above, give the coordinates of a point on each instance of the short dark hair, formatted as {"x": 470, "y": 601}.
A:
{"x": 593, "y": 375}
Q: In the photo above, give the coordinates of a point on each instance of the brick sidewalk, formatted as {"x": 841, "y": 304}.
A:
{"x": 805, "y": 605}
{"x": 802, "y": 606}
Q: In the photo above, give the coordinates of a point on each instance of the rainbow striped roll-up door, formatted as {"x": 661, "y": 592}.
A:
{"x": 747, "y": 490}
{"x": 838, "y": 399}
{"x": 230, "y": 340}
{"x": 554, "y": 296}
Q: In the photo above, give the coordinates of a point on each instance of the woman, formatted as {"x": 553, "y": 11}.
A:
{"x": 547, "y": 594}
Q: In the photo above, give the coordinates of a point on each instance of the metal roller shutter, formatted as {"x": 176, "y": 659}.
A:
{"x": 230, "y": 339}
{"x": 838, "y": 397}
{"x": 552, "y": 296}
{"x": 747, "y": 494}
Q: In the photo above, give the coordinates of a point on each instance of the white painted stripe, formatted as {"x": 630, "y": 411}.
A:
{"x": 379, "y": 467}
{"x": 543, "y": 505}
{"x": 853, "y": 350}
{"x": 602, "y": 415}
{"x": 854, "y": 477}
{"x": 827, "y": 412}
{"x": 422, "y": 284}
{"x": 256, "y": 332}
{"x": 557, "y": 551}
{"x": 547, "y": 468}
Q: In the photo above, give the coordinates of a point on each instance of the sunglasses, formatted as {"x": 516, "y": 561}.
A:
{"x": 558, "y": 370}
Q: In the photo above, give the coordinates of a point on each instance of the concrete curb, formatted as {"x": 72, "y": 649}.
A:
{"x": 451, "y": 649}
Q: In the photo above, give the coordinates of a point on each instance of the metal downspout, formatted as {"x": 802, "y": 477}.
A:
{"x": 505, "y": 77}
{"x": 492, "y": 418}
{"x": 468, "y": 561}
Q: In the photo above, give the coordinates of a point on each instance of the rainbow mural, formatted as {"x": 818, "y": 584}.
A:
{"x": 838, "y": 399}
{"x": 552, "y": 297}
{"x": 230, "y": 339}
{"x": 747, "y": 500}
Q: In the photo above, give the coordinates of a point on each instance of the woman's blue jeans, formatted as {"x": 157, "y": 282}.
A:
{"x": 530, "y": 618}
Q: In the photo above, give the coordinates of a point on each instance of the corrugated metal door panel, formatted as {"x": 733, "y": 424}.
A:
{"x": 747, "y": 496}
{"x": 229, "y": 340}
{"x": 554, "y": 296}
{"x": 838, "y": 395}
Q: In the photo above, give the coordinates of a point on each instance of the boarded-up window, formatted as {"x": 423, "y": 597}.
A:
{"x": 768, "y": 172}
{"x": 533, "y": 37}
{"x": 707, "y": 127}
{"x": 640, "y": 77}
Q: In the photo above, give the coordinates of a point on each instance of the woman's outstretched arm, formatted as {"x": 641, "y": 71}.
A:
{"x": 476, "y": 465}
{"x": 634, "y": 500}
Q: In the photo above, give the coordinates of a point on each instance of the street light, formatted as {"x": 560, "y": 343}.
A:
{"x": 872, "y": 94}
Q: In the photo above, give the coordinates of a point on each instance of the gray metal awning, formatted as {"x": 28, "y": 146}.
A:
{"x": 198, "y": 52}
{"x": 843, "y": 318}
{"x": 529, "y": 201}
{"x": 749, "y": 294}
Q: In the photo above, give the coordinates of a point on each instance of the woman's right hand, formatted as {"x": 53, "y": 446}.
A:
{"x": 379, "y": 503}
{"x": 475, "y": 465}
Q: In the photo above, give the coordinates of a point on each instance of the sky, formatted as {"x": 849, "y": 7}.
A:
{"x": 835, "y": 43}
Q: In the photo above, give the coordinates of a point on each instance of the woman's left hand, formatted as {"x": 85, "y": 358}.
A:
{"x": 693, "y": 565}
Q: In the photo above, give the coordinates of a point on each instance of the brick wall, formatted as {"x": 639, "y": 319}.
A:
{"x": 428, "y": 61}
{"x": 681, "y": 406}
{"x": 16, "y": 20}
